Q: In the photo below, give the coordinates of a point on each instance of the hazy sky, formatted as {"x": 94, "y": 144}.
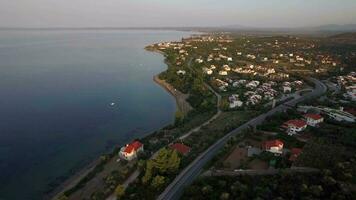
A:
{"x": 116, "y": 13}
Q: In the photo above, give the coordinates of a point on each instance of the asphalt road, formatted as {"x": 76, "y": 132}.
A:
{"x": 187, "y": 176}
{"x": 252, "y": 172}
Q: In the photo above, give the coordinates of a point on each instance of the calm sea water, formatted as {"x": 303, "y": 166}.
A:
{"x": 56, "y": 88}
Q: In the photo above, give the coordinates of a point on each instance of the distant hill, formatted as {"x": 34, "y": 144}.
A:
{"x": 327, "y": 30}
{"x": 347, "y": 38}
{"x": 336, "y": 27}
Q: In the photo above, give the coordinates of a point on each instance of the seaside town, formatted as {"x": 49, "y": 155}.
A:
{"x": 258, "y": 116}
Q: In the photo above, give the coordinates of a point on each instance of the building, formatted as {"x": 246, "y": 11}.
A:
{"x": 222, "y": 73}
{"x": 234, "y": 101}
{"x": 181, "y": 72}
{"x": 130, "y": 151}
{"x": 294, "y": 126}
{"x": 313, "y": 119}
{"x": 295, "y": 152}
{"x": 273, "y": 146}
{"x": 180, "y": 148}
{"x": 338, "y": 115}
{"x": 287, "y": 89}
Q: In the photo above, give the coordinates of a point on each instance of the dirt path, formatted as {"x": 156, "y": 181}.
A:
{"x": 218, "y": 113}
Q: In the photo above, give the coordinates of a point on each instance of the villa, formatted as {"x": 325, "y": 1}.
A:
{"x": 313, "y": 119}
{"x": 294, "y": 126}
{"x": 273, "y": 146}
{"x": 130, "y": 151}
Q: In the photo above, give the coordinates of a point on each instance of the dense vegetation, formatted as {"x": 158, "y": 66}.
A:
{"x": 281, "y": 186}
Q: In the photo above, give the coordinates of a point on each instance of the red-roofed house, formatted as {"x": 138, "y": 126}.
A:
{"x": 313, "y": 119}
{"x": 181, "y": 148}
{"x": 273, "y": 146}
{"x": 294, "y": 126}
{"x": 295, "y": 152}
{"x": 130, "y": 151}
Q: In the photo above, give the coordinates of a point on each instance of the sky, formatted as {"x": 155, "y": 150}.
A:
{"x": 156, "y": 13}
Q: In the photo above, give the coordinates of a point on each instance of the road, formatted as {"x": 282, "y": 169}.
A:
{"x": 252, "y": 172}
{"x": 186, "y": 177}
{"x": 175, "y": 92}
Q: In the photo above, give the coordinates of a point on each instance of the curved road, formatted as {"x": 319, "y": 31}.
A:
{"x": 174, "y": 190}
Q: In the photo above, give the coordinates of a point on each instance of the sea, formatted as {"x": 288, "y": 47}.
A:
{"x": 69, "y": 96}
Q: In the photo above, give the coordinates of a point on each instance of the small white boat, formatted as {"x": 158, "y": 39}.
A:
{"x": 112, "y": 104}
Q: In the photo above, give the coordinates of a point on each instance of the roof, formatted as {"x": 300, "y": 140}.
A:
{"x": 296, "y": 123}
{"x": 181, "y": 148}
{"x": 313, "y": 116}
{"x": 351, "y": 111}
{"x": 272, "y": 143}
{"x": 133, "y": 146}
{"x": 295, "y": 152}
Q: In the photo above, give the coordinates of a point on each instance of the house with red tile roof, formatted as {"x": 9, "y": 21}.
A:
{"x": 295, "y": 152}
{"x": 273, "y": 146}
{"x": 294, "y": 126}
{"x": 130, "y": 151}
{"x": 181, "y": 148}
{"x": 313, "y": 119}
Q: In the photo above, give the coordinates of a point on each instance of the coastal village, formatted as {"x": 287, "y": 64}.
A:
{"x": 230, "y": 81}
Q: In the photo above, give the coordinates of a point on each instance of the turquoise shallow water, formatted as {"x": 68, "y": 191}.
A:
{"x": 56, "y": 88}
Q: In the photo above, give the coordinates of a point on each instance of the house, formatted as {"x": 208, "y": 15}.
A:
{"x": 273, "y": 146}
{"x": 226, "y": 68}
{"x": 207, "y": 71}
{"x": 181, "y": 72}
{"x": 234, "y": 101}
{"x": 295, "y": 152}
{"x": 313, "y": 119}
{"x": 180, "y": 148}
{"x": 287, "y": 89}
{"x": 223, "y": 73}
{"x": 130, "y": 151}
{"x": 294, "y": 126}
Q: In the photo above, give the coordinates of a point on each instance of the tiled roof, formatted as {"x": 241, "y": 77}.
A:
{"x": 181, "y": 148}
{"x": 295, "y": 152}
{"x": 133, "y": 146}
{"x": 313, "y": 116}
{"x": 272, "y": 143}
{"x": 296, "y": 123}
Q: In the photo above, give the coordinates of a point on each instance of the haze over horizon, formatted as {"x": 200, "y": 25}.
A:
{"x": 160, "y": 13}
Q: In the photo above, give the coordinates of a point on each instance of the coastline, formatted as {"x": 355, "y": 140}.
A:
{"x": 72, "y": 180}
{"x": 181, "y": 98}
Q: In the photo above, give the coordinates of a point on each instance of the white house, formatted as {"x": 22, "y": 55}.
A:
{"x": 287, "y": 89}
{"x": 234, "y": 101}
{"x": 226, "y": 68}
{"x": 273, "y": 146}
{"x": 223, "y": 73}
{"x": 207, "y": 71}
{"x": 181, "y": 72}
{"x": 130, "y": 151}
{"x": 294, "y": 126}
{"x": 313, "y": 119}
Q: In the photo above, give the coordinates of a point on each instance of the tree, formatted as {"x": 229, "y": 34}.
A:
{"x": 148, "y": 172}
{"x": 158, "y": 182}
{"x": 179, "y": 118}
{"x": 119, "y": 191}
{"x": 173, "y": 162}
{"x": 167, "y": 161}
{"x": 62, "y": 197}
